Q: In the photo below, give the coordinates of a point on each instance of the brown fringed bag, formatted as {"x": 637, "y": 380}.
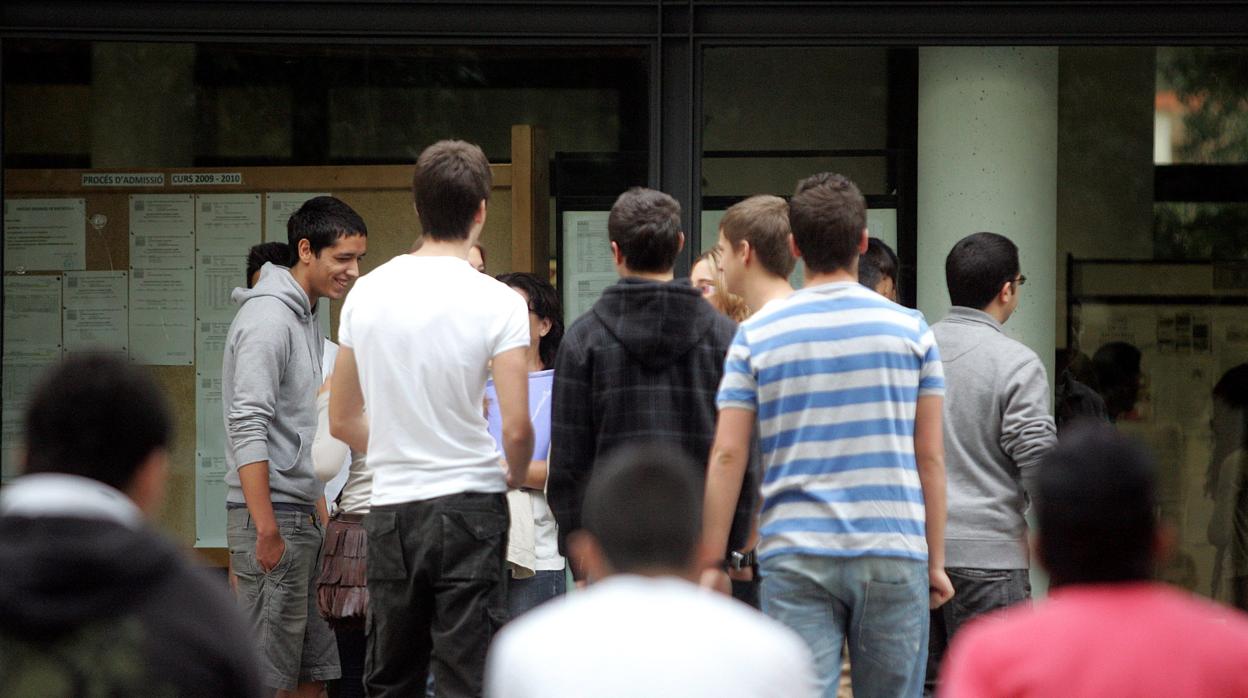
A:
{"x": 341, "y": 589}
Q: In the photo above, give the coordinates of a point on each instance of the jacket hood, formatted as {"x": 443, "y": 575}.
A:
{"x": 60, "y": 573}
{"x": 277, "y": 281}
{"x": 656, "y": 322}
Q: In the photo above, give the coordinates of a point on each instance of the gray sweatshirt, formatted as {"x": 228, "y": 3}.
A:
{"x": 997, "y": 428}
{"x": 269, "y": 379}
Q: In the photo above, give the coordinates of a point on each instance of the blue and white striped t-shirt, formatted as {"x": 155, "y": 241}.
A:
{"x": 834, "y": 373}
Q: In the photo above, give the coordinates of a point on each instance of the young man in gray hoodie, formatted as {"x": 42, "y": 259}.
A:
{"x": 998, "y": 427}
{"x": 275, "y": 504}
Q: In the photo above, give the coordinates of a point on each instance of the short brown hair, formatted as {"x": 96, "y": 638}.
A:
{"x": 645, "y": 225}
{"x": 452, "y": 179}
{"x": 762, "y": 221}
{"x": 828, "y": 215}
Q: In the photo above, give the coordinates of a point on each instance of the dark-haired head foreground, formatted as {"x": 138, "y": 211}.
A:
{"x": 90, "y": 596}
{"x": 1106, "y": 629}
{"x": 1096, "y": 508}
{"x": 642, "y": 515}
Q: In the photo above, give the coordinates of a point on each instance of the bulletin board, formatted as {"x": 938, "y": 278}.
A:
{"x": 142, "y": 262}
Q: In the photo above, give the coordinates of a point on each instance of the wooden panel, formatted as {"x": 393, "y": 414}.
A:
{"x": 530, "y": 202}
{"x": 177, "y": 517}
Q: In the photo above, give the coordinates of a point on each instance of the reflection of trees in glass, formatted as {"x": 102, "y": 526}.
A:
{"x": 1200, "y": 231}
{"x": 1212, "y": 86}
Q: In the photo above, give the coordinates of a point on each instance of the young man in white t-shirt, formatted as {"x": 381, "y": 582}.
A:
{"x": 642, "y": 627}
{"x": 417, "y": 337}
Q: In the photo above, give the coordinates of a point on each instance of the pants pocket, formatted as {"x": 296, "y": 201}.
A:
{"x": 385, "y": 547}
{"x": 473, "y": 545}
{"x": 979, "y": 591}
{"x": 893, "y": 623}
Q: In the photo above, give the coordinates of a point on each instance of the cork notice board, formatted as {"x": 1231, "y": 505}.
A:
{"x": 515, "y": 238}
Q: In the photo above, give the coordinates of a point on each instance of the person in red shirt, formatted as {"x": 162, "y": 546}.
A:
{"x": 1105, "y": 629}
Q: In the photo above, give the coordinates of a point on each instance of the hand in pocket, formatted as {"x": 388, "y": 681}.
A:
{"x": 269, "y": 551}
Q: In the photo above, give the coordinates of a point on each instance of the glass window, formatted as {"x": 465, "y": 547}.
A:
{"x": 1155, "y": 219}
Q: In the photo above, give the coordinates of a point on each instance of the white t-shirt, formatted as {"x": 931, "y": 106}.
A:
{"x": 640, "y": 636}
{"x": 424, "y": 330}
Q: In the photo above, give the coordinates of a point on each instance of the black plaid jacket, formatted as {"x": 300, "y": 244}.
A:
{"x": 643, "y": 366}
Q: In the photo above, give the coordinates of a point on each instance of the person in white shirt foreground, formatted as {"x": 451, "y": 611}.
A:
{"x": 643, "y": 627}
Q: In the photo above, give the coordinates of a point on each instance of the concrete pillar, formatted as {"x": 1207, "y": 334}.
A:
{"x": 143, "y": 105}
{"x": 988, "y": 162}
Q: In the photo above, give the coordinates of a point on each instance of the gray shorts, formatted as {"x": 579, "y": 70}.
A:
{"x": 295, "y": 643}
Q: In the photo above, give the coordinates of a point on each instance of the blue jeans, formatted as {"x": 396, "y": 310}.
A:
{"x": 878, "y": 604}
{"x": 525, "y": 594}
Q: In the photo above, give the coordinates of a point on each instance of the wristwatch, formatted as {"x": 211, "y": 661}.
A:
{"x": 739, "y": 561}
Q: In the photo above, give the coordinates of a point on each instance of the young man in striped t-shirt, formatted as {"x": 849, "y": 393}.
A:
{"x": 847, "y": 389}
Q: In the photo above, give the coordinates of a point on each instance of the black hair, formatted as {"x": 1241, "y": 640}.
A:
{"x": 1232, "y": 387}
{"x": 978, "y": 266}
{"x": 877, "y": 263}
{"x": 544, "y": 301}
{"x": 828, "y": 214}
{"x": 1232, "y": 390}
{"x": 96, "y": 416}
{"x": 645, "y": 225}
{"x": 322, "y": 220}
{"x": 258, "y": 255}
{"x": 644, "y": 506}
{"x": 1117, "y": 369}
{"x": 1095, "y": 506}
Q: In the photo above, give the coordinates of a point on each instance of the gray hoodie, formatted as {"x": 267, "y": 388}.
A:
{"x": 269, "y": 379}
{"x": 997, "y": 429}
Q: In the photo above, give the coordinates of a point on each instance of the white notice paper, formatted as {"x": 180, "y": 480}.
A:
{"x": 162, "y": 231}
{"x": 32, "y": 343}
{"x": 20, "y": 379}
{"x": 32, "y": 319}
{"x": 209, "y": 500}
{"x": 588, "y": 264}
{"x": 227, "y": 224}
{"x": 95, "y": 311}
{"x": 216, "y": 277}
{"x": 162, "y": 316}
{"x": 277, "y": 209}
{"x": 209, "y": 414}
{"x": 45, "y": 234}
{"x": 209, "y": 433}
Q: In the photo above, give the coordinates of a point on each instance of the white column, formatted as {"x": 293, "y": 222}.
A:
{"x": 987, "y": 161}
